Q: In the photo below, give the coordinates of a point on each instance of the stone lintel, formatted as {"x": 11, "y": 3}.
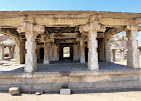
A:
{"x": 28, "y": 27}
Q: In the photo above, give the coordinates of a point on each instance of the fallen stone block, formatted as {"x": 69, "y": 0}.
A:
{"x": 65, "y": 91}
{"x": 39, "y": 93}
{"x": 14, "y": 90}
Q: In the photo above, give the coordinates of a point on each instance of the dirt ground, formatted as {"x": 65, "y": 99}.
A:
{"x": 117, "y": 96}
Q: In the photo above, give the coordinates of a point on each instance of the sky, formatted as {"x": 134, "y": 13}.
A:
{"x": 98, "y": 5}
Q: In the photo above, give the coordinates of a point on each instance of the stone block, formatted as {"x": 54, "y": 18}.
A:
{"x": 65, "y": 91}
{"x": 39, "y": 93}
{"x": 14, "y": 90}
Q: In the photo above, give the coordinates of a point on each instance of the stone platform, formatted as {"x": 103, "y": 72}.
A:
{"x": 76, "y": 76}
{"x": 63, "y": 67}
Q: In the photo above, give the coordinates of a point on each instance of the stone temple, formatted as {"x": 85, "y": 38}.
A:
{"x": 41, "y": 36}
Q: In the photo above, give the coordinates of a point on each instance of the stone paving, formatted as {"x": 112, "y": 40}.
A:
{"x": 7, "y": 66}
{"x": 60, "y": 67}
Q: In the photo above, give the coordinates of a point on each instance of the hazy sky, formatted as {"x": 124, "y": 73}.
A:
{"x": 99, "y": 5}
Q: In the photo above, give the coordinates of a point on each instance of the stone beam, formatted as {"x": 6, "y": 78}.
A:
{"x": 9, "y": 32}
{"x": 113, "y": 31}
{"x": 63, "y": 35}
{"x": 15, "y": 22}
{"x": 10, "y": 22}
{"x": 115, "y": 22}
{"x": 138, "y": 21}
{"x": 66, "y": 41}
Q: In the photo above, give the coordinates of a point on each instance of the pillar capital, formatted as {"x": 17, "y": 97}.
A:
{"x": 29, "y": 27}
{"x": 89, "y": 27}
{"x": 132, "y": 27}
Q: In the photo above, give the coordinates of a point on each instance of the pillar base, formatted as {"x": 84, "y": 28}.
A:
{"x": 46, "y": 62}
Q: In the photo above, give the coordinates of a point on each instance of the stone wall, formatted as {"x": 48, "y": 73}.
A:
{"x": 77, "y": 81}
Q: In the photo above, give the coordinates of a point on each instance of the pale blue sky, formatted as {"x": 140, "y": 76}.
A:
{"x": 99, "y": 5}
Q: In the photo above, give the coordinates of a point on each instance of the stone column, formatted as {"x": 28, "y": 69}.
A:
{"x": 17, "y": 51}
{"x": 1, "y": 52}
{"x": 107, "y": 50}
{"x": 132, "y": 45}
{"x": 82, "y": 51}
{"x": 102, "y": 50}
{"x": 10, "y": 51}
{"x": 122, "y": 54}
{"x": 31, "y": 31}
{"x": 75, "y": 52}
{"x": 51, "y": 52}
{"x": 56, "y": 53}
{"x": 92, "y": 54}
{"x": 22, "y": 52}
{"x": 114, "y": 55}
{"x": 31, "y": 58}
{"x": 46, "y": 52}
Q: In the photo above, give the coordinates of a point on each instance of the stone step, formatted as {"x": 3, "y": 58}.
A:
{"x": 76, "y": 87}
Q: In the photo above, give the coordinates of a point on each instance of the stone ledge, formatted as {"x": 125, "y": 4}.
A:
{"x": 73, "y": 73}
{"x": 75, "y": 87}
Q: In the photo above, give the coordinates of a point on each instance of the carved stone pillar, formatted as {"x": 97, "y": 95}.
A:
{"x": 102, "y": 50}
{"x": 92, "y": 29}
{"x": 31, "y": 58}
{"x": 1, "y": 52}
{"x": 92, "y": 54}
{"x": 56, "y": 53}
{"x": 51, "y": 52}
{"x": 17, "y": 53}
{"x": 114, "y": 54}
{"x": 46, "y": 52}
{"x": 122, "y": 54}
{"x": 107, "y": 50}
{"x": 75, "y": 52}
{"x": 31, "y": 31}
{"x": 132, "y": 45}
{"x": 12, "y": 51}
{"x": 82, "y": 51}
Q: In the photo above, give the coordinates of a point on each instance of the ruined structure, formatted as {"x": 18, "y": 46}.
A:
{"x": 118, "y": 47}
{"x": 42, "y": 35}
{"x": 7, "y": 43}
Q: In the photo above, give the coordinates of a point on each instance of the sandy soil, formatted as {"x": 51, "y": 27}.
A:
{"x": 117, "y": 96}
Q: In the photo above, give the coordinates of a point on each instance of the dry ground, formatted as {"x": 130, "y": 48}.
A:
{"x": 117, "y": 96}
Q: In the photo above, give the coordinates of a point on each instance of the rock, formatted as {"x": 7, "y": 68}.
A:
{"x": 14, "y": 90}
{"x": 65, "y": 91}
{"x": 5, "y": 64}
{"x": 39, "y": 93}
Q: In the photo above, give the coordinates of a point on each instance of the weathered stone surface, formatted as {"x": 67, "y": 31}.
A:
{"x": 65, "y": 91}
{"x": 46, "y": 53}
{"x": 132, "y": 45}
{"x": 82, "y": 51}
{"x": 92, "y": 54}
{"x": 1, "y": 52}
{"x": 14, "y": 90}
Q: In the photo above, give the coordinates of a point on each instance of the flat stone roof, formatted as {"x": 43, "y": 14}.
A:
{"x": 89, "y": 12}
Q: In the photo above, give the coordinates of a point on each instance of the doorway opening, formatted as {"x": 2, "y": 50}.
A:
{"x": 41, "y": 53}
{"x": 66, "y": 52}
